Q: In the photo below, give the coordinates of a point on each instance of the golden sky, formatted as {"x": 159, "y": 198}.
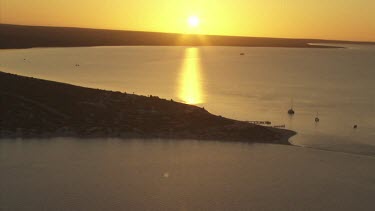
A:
{"x": 328, "y": 19}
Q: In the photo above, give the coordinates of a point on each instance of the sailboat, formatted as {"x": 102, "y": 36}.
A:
{"x": 291, "y": 111}
{"x": 317, "y": 117}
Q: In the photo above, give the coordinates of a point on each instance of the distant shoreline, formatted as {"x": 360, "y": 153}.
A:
{"x": 34, "y": 108}
{"x": 23, "y": 37}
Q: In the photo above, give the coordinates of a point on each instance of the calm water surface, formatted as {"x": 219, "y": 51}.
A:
{"x": 74, "y": 174}
{"x": 335, "y": 84}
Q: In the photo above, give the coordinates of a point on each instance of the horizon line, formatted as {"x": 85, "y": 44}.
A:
{"x": 192, "y": 34}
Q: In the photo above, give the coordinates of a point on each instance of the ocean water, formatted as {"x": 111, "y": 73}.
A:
{"x": 337, "y": 85}
{"x": 73, "y": 174}
{"x": 332, "y": 170}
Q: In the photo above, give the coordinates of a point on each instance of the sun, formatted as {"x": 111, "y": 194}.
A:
{"x": 193, "y": 21}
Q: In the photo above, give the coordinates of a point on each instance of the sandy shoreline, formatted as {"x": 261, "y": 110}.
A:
{"x": 284, "y": 140}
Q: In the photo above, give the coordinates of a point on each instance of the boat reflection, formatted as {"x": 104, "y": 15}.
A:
{"x": 190, "y": 89}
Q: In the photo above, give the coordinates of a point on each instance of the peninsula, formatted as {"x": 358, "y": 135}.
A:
{"x": 35, "y": 108}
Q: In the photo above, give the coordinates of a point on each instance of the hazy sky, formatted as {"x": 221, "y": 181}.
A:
{"x": 330, "y": 19}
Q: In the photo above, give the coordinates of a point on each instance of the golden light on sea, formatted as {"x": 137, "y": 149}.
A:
{"x": 190, "y": 89}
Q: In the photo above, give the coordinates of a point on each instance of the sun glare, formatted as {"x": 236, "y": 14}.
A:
{"x": 190, "y": 90}
{"x": 193, "y": 21}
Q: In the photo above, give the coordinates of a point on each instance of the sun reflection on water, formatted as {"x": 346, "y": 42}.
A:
{"x": 190, "y": 90}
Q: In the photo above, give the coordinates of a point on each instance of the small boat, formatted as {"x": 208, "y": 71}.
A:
{"x": 291, "y": 110}
{"x": 317, "y": 118}
{"x": 242, "y": 54}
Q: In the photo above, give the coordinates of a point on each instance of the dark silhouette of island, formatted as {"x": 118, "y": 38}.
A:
{"x": 17, "y": 36}
{"x": 35, "y": 108}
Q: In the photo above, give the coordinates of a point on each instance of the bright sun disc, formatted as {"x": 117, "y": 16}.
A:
{"x": 193, "y": 21}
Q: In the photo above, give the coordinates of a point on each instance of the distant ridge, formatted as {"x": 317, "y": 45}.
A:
{"x": 18, "y": 36}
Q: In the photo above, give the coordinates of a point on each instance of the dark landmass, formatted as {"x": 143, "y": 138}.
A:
{"x": 17, "y": 36}
{"x": 35, "y": 108}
